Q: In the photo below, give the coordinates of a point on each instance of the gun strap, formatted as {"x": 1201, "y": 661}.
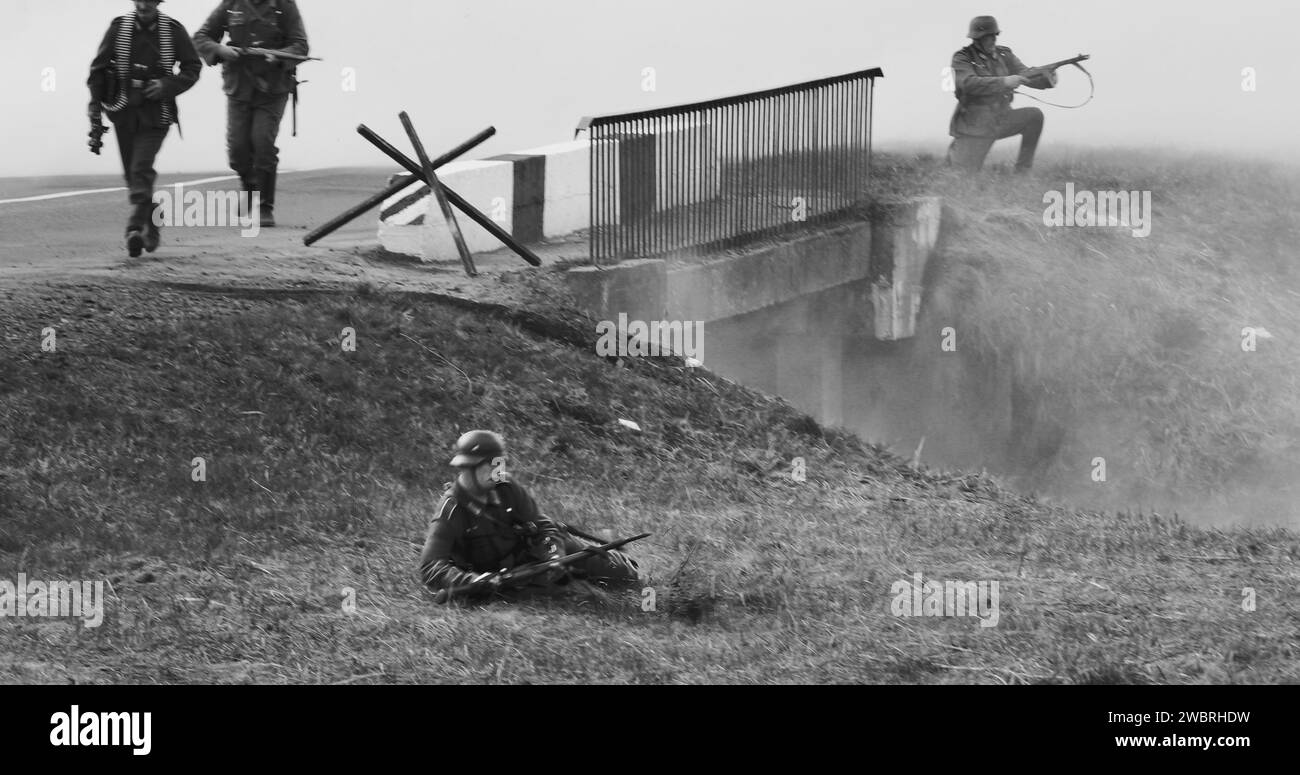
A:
{"x": 477, "y": 510}
{"x": 1092, "y": 90}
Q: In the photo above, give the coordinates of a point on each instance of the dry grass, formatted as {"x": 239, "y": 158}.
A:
{"x": 1134, "y": 345}
{"x": 323, "y": 467}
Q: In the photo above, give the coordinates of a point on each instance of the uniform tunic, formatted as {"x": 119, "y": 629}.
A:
{"x": 270, "y": 24}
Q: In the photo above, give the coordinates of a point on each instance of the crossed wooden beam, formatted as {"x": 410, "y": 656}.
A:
{"x": 447, "y": 198}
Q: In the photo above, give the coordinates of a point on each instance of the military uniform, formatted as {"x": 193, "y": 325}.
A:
{"x": 468, "y": 536}
{"x": 256, "y": 90}
{"x": 130, "y": 55}
{"x": 984, "y": 113}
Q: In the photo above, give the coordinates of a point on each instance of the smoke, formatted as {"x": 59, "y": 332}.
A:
{"x": 1101, "y": 371}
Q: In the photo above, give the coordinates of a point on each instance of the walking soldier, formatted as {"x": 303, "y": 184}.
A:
{"x": 257, "y": 86}
{"x": 133, "y": 78}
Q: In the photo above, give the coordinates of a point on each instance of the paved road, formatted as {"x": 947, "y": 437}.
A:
{"x": 79, "y": 238}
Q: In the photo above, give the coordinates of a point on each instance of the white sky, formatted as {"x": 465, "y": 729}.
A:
{"x": 1168, "y": 73}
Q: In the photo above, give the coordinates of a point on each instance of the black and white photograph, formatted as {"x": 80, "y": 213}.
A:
{"x": 676, "y": 342}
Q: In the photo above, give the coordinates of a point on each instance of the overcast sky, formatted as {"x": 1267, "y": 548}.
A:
{"x": 1169, "y": 73}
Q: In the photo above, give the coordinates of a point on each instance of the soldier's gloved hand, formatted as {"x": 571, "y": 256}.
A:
{"x": 153, "y": 90}
{"x": 1013, "y": 81}
{"x": 485, "y": 583}
{"x": 558, "y": 574}
{"x": 226, "y": 53}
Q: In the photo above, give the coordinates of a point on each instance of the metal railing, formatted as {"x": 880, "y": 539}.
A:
{"x": 716, "y": 174}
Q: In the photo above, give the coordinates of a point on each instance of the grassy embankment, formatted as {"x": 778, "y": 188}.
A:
{"x": 322, "y": 466}
{"x": 1134, "y": 346}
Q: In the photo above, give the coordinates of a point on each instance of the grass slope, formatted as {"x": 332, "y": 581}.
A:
{"x": 1134, "y": 346}
{"x": 323, "y": 465}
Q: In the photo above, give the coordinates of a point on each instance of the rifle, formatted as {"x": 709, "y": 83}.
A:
{"x": 271, "y": 55}
{"x": 1053, "y": 66}
{"x": 97, "y": 130}
{"x": 514, "y": 576}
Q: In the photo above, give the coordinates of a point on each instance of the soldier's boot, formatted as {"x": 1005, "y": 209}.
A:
{"x": 151, "y": 231}
{"x": 135, "y": 225}
{"x": 615, "y": 568}
{"x": 134, "y": 243}
{"x": 267, "y": 210}
{"x": 248, "y": 185}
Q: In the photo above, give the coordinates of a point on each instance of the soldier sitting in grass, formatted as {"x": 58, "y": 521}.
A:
{"x": 487, "y": 523}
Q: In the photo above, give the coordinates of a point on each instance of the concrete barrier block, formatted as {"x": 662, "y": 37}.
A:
{"x": 401, "y": 219}
{"x": 613, "y": 156}
{"x": 687, "y": 166}
{"x": 667, "y": 166}
{"x": 489, "y": 187}
{"x": 568, "y": 186}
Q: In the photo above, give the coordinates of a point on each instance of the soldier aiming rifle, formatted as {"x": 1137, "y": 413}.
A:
{"x": 986, "y": 76}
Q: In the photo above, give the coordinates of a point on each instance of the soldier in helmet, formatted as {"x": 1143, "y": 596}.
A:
{"x": 486, "y": 522}
{"x": 986, "y": 75}
{"x": 133, "y": 78}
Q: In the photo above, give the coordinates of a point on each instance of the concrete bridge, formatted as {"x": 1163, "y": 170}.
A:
{"x": 678, "y": 180}
{"x": 870, "y": 271}
{"x": 542, "y": 194}
{"x": 889, "y": 253}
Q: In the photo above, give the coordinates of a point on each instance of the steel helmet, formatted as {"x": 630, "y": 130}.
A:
{"x": 983, "y": 25}
{"x": 475, "y": 447}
